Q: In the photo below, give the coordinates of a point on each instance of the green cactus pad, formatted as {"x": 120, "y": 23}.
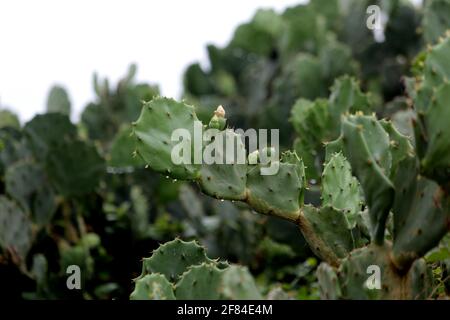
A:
{"x": 58, "y": 101}
{"x": 226, "y": 181}
{"x": 405, "y": 185}
{"x": 346, "y": 96}
{"x": 152, "y": 287}
{"x": 311, "y": 121}
{"x": 14, "y": 148}
{"x": 74, "y": 168}
{"x": 355, "y": 271}
{"x": 328, "y": 282}
{"x": 332, "y": 227}
{"x": 308, "y": 158}
{"x": 173, "y": 258}
{"x": 27, "y": 184}
{"x": 277, "y": 194}
{"x": 400, "y": 146}
{"x": 48, "y": 131}
{"x": 363, "y": 223}
{"x": 333, "y": 147}
{"x": 22, "y": 180}
{"x": 153, "y": 130}
{"x": 436, "y": 162}
{"x": 207, "y": 282}
{"x": 15, "y": 228}
{"x": 303, "y": 73}
{"x": 340, "y": 189}
{"x": 436, "y": 20}
{"x": 437, "y": 66}
{"x": 420, "y": 278}
{"x": 422, "y": 224}
{"x": 9, "y": 119}
{"x": 200, "y": 282}
{"x": 367, "y": 147}
{"x": 292, "y": 158}
{"x": 238, "y": 284}
{"x": 122, "y": 153}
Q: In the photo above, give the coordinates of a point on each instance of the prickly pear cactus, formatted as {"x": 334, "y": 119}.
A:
{"x": 8, "y": 119}
{"x": 58, "y": 101}
{"x": 173, "y": 258}
{"x": 26, "y": 182}
{"x": 380, "y": 208}
{"x": 233, "y": 178}
{"x": 153, "y": 287}
{"x": 75, "y": 168}
{"x": 15, "y": 229}
{"x": 181, "y": 270}
{"x": 436, "y": 20}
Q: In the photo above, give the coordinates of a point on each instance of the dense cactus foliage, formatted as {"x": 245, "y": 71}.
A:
{"x": 362, "y": 174}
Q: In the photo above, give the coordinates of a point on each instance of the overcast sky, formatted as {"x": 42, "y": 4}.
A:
{"x": 50, "y": 42}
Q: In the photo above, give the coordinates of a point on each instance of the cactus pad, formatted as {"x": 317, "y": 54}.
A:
{"x": 173, "y": 258}
{"x": 15, "y": 228}
{"x": 153, "y": 130}
{"x": 152, "y": 287}
{"x": 340, "y": 189}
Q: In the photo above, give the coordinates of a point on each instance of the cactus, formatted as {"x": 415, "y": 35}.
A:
{"x": 153, "y": 287}
{"x": 121, "y": 149}
{"x": 340, "y": 189}
{"x": 436, "y": 160}
{"x": 103, "y": 118}
{"x": 8, "y": 119}
{"x": 423, "y": 224}
{"x": 15, "y": 230}
{"x": 329, "y": 283}
{"x": 181, "y": 270}
{"x": 346, "y": 96}
{"x": 331, "y": 227}
{"x": 393, "y": 161}
{"x": 27, "y": 184}
{"x": 259, "y": 35}
{"x": 173, "y": 258}
{"x": 311, "y": 121}
{"x": 318, "y": 122}
{"x": 157, "y": 122}
{"x": 363, "y": 192}
{"x": 302, "y": 75}
{"x": 367, "y": 146}
{"x": 430, "y": 101}
{"x": 436, "y": 20}
{"x": 74, "y": 168}
{"x": 58, "y": 101}
{"x": 200, "y": 282}
{"x": 48, "y": 130}
{"x": 234, "y": 181}
{"x": 381, "y": 162}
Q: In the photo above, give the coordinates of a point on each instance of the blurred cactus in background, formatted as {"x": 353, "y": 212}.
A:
{"x": 363, "y": 179}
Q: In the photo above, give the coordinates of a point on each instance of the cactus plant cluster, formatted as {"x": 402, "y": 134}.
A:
{"x": 51, "y": 176}
{"x": 66, "y": 198}
{"x": 182, "y": 270}
{"x": 384, "y": 196}
{"x": 361, "y": 188}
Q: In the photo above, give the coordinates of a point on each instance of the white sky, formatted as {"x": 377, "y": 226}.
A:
{"x": 48, "y": 42}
